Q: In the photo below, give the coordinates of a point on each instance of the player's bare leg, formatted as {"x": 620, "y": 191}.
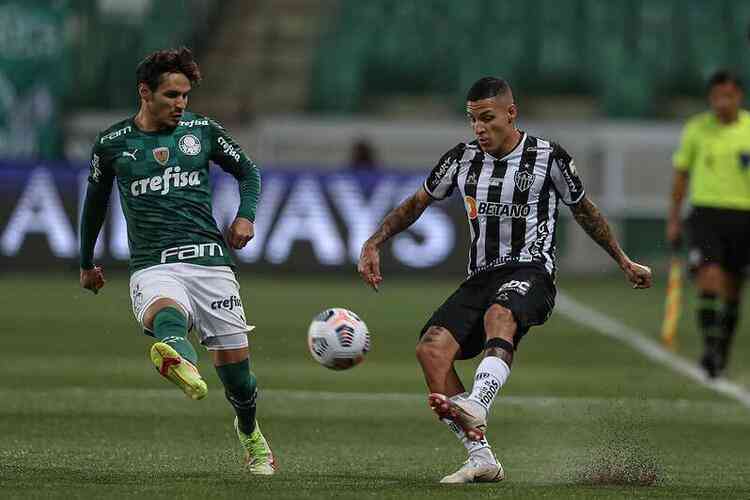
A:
{"x": 436, "y": 352}
{"x": 240, "y": 388}
{"x": 173, "y": 355}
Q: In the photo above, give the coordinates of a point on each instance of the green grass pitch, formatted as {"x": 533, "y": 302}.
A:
{"x": 84, "y": 415}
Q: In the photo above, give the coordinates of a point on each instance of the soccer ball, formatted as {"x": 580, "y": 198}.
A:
{"x": 338, "y": 339}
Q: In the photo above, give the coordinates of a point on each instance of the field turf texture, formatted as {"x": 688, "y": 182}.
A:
{"x": 83, "y": 414}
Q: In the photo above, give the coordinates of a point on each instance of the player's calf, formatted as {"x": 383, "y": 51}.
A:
{"x": 240, "y": 389}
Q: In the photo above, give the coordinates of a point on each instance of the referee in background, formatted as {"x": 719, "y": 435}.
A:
{"x": 713, "y": 161}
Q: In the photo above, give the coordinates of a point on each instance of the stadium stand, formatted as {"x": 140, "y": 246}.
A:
{"x": 650, "y": 49}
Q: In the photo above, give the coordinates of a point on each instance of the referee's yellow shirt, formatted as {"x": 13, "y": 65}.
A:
{"x": 717, "y": 156}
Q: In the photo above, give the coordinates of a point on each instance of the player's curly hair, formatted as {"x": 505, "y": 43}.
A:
{"x": 151, "y": 69}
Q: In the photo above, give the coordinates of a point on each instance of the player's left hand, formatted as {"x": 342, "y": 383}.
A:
{"x": 240, "y": 232}
{"x": 638, "y": 274}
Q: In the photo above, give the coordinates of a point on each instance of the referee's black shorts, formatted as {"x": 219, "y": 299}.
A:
{"x": 527, "y": 291}
{"x": 719, "y": 236}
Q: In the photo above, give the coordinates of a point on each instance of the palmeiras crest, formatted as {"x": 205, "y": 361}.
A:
{"x": 161, "y": 155}
{"x": 523, "y": 180}
{"x": 190, "y": 145}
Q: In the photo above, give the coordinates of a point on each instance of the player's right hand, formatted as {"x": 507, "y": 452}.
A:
{"x": 369, "y": 265}
{"x": 92, "y": 279}
{"x": 674, "y": 233}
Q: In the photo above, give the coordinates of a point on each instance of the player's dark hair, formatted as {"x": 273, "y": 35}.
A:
{"x": 487, "y": 87}
{"x": 723, "y": 76}
{"x": 151, "y": 69}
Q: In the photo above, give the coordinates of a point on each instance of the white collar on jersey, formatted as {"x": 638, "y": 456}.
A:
{"x": 515, "y": 150}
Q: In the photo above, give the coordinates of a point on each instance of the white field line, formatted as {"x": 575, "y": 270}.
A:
{"x": 123, "y": 394}
{"x": 609, "y": 327}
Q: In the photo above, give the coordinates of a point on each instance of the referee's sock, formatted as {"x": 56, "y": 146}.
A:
{"x": 728, "y": 322}
{"x": 708, "y": 319}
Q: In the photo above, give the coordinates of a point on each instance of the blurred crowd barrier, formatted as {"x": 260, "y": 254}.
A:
{"x": 308, "y": 220}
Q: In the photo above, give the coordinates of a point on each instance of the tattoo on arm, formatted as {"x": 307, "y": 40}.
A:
{"x": 590, "y": 218}
{"x": 401, "y": 217}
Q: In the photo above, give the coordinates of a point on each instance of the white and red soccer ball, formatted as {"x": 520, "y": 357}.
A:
{"x": 338, "y": 339}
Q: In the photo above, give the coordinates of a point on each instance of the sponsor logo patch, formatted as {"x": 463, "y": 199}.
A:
{"x": 570, "y": 175}
{"x": 190, "y": 145}
{"x": 171, "y": 178}
{"x": 476, "y": 209}
{"x": 95, "y": 172}
{"x": 229, "y": 303}
{"x": 186, "y": 252}
{"x": 130, "y": 155}
{"x": 115, "y": 134}
{"x": 161, "y": 155}
{"x": 228, "y": 149}
{"x": 193, "y": 123}
{"x": 520, "y": 287}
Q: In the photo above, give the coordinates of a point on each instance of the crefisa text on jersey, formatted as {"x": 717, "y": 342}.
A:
{"x": 172, "y": 177}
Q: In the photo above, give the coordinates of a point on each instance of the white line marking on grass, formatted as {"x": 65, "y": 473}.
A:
{"x": 639, "y": 341}
{"x": 123, "y": 395}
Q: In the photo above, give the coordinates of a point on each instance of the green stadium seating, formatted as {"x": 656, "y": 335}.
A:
{"x": 627, "y": 53}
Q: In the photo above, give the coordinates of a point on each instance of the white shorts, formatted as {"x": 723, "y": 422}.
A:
{"x": 208, "y": 295}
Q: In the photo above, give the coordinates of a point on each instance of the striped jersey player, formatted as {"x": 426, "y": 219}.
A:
{"x": 511, "y": 184}
{"x": 511, "y": 201}
{"x": 182, "y": 276}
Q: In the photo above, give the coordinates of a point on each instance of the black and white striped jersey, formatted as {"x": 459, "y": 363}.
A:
{"x": 511, "y": 202}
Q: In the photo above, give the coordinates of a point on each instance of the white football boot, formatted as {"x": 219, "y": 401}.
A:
{"x": 467, "y": 414}
{"x": 477, "y": 469}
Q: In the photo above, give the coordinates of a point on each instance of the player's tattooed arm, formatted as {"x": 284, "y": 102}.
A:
{"x": 396, "y": 221}
{"x": 401, "y": 217}
{"x": 590, "y": 218}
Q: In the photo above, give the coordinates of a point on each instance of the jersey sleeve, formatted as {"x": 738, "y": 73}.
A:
{"x": 101, "y": 175}
{"x": 565, "y": 177}
{"x": 684, "y": 157}
{"x": 228, "y": 154}
{"x": 442, "y": 179}
{"x": 101, "y": 171}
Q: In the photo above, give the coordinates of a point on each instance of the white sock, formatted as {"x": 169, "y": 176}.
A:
{"x": 482, "y": 446}
{"x": 490, "y": 376}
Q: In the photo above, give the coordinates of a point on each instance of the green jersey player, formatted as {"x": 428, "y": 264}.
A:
{"x": 181, "y": 270}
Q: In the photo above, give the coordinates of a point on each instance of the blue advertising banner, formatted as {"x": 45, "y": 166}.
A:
{"x": 307, "y": 220}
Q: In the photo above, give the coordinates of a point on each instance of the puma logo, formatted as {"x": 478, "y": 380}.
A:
{"x": 131, "y": 155}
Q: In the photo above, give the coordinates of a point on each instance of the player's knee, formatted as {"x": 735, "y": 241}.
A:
{"x": 432, "y": 348}
{"x": 499, "y": 320}
{"x": 710, "y": 277}
{"x": 155, "y": 308}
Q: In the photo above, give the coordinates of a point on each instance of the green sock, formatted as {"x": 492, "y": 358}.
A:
{"x": 170, "y": 327}
{"x": 240, "y": 389}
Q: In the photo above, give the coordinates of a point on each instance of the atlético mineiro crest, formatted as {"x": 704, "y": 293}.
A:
{"x": 161, "y": 155}
{"x": 524, "y": 180}
{"x": 190, "y": 145}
